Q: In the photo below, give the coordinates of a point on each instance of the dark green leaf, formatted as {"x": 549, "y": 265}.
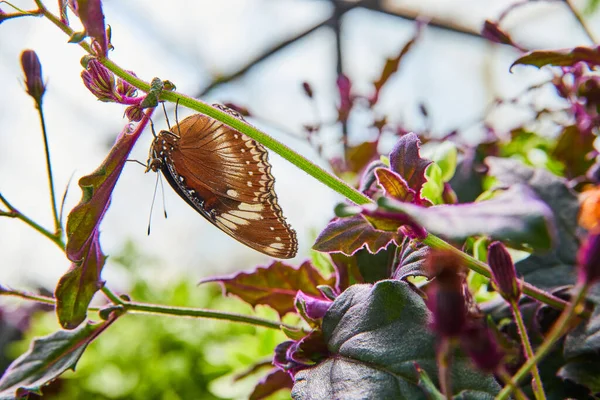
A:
{"x": 412, "y": 260}
{"x": 515, "y": 215}
{"x": 571, "y": 148}
{"x": 585, "y": 373}
{"x": 585, "y": 338}
{"x": 562, "y": 58}
{"x": 375, "y": 334}
{"x": 276, "y": 285}
{"x": 555, "y": 268}
{"x": 375, "y": 267}
{"x": 47, "y": 358}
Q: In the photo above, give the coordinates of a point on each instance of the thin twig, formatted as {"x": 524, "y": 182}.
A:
{"x": 588, "y": 31}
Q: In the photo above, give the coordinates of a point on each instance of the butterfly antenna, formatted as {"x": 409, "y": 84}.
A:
{"x": 166, "y": 115}
{"x": 152, "y": 128}
{"x": 152, "y": 205}
{"x": 162, "y": 189}
{"x": 136, "y": 161}
{"x": 176, "y": 113}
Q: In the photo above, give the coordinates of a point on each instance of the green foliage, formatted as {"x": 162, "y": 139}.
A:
{"x": 156, "y": 357}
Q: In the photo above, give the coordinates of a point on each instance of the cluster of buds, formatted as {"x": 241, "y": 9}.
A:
{"x": 447, "y": 301}
{"x": 106, "y": 87}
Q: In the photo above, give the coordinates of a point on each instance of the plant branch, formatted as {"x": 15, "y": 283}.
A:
{"x": 558, "y": 329}
{"x": 14, "y": 213}
{"x": 57, "y": 226}
{"x": 537, "y": 385}
{"x": 38, "y": 298}
{"x": 584, "y": 25}
{"x": 481, "y": 268}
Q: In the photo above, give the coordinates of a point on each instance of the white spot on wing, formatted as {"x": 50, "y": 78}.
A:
{"x": 227, "y": 223}
{"x": 246, "y": 214}
{"x": 251, "y": 207}
{"x": 232, "y": 193}
{"x": 235, "y": 219}
{"x": 277, "y": 246}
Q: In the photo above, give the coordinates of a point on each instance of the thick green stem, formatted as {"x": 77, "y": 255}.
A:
{"x": 536, "y": 384}
{"x": 558, "y": 329}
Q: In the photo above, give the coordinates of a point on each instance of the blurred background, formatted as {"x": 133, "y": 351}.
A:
{"x": 255, "y": 54}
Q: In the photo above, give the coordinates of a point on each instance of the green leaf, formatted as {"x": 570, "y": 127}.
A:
{"x": 275, "y": 285}
{"x": 434, "y": 187}
{"x": 375, "y": 334}
{"x": 47, "y": 358}
{"x": 571, "y": 148}
{"x": 348, "y": 235}
{"x": 412, "y": 256}
{"x": 560, "y": 58}
{"x": 515, "y": 215}
{"x": 555, "y": 268}
{"x": 584, "y": 372}
{"x": 445, "y": 155}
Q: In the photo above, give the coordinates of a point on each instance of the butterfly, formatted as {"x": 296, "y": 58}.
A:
{"x": 226, "y": 177}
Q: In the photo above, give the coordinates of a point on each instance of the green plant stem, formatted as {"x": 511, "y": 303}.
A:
{"x": 444, "y": 352}
{"x": 14, "y": 213}
{"x": 537, "y": 385}
{"x": 558, "y": 329}
{"x": 507, "y": 380}
{"x": 588, "y": 31}
{"x": 111, "y": 296}
{"x": 481, "y": 268}
{"x": 57, "y": 227}
{"x": 155, "y": 309}
{"x": 296, "y": 159}
{"x": 38, "y": 298}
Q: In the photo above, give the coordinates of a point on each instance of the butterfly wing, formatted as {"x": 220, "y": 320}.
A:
{"x": 226, "y": 177}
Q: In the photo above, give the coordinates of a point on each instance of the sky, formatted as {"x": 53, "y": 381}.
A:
{"x": 192, "y": 42}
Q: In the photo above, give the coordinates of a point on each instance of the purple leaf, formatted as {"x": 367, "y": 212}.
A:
{"x": 92, "y": 18}
{"x": 77, "y": 287}
{"x": 394, "y": 185}
{"x": 315, "y": 308}
{"x": 348, "y": 235}
{"x": 274, "y": 381}
{"x": 275, "y": 286}
{"x": 560, "y": 58}
{"x": 516, "y": 215}
{"x": 406, "y": 161}
{"x": 47, "y": 358}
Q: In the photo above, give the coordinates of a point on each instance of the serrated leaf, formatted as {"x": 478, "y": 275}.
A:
{"x": 375, "y": 267}
{"x": 275, "y": 285}
{"x": 394, "y": 185}
{"x": 585, "y": 338}
{"x": 546, "y": 270}
{"x": 412, "y": 256}
{"x": 406, "y": 161}
{"x": 346, "y": 271}
{"x": 560, "y": 58}
{"x": 348, "y": 235}
{"x": 77, "y": 287}
{"x": 274, "y": 381}
{"x": 47, "y": 358}
{"x": 375, "y": 334}
{"x": 515, "y": 215}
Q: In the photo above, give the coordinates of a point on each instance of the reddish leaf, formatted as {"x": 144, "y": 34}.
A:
{"x": 393, "y": 185}
{"x": 406, "y": 161}
{"x": 92, "y": 18}
{"x": 392, "y": 64}
{"x": 348, "y": 235}
{"x": 560, "y": 58}
{"x": 275, "y": 285}
{"x": 358, "y": 157}
{"x": 77, "y": 287}
{"x": 571, "y": 148}
{"x": 275, "y": 380}
{"x": 344, "y": 86}
{"x": 492, "y": 32}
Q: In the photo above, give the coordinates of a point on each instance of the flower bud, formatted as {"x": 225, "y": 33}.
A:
{"x": 588, "y": 259}
{"x": 92, "y": 18}
{"x": 99, "y": 80}
{"x": 33, "y": 75}
{"x": 504, "y": 274}
{"x": 134, "y": 113}
{"x": 479, "y": 343}
{"x": 446, "y": 296}
{"x": 314, "y": 308}
{"x": 125, "y": 89}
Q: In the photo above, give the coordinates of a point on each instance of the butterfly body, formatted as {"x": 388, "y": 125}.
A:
{"x": 226, "y": 177}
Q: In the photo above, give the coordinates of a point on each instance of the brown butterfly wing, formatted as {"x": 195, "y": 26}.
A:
{"x": 226, "y": 177}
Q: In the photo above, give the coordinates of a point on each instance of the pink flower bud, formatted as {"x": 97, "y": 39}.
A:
{"x": 503, "y": 272}
{"x": 33, "y": 75}
{"x": 100, "y": 81}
